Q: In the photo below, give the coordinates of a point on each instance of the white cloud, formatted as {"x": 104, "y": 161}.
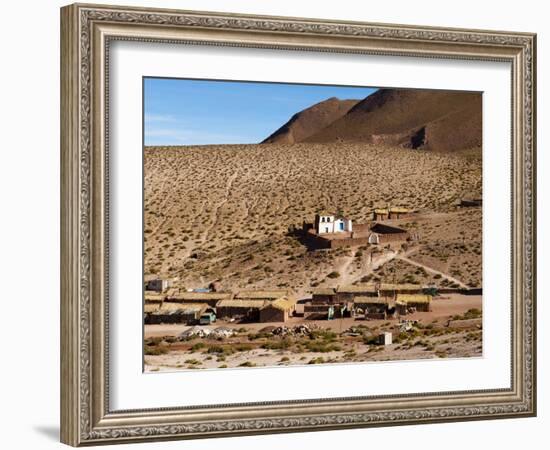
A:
{"x": 162, "y": 118}
{"x": 187, "y": 136}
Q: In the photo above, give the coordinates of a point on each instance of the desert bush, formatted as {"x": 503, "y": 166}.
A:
{"x": 153, "y": 350}
{"x": 243, "y": 347}
{"x": 319, "y": 360}
{"x": 472, "y": 313}
{"x": 247, "y": 364}
{"x": 282, "y": 344}
{"x": 322, "y": 347}
{"x": 192, "y": 361}
{"x": 219, "y": 349}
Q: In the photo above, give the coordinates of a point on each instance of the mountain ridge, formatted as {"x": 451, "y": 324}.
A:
{"x": 310, "y": 120}
{"x": 409, "y": 118}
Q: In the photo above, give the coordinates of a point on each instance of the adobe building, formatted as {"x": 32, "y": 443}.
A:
{"x": 325, "y": 311}
{"x": 321, "y": 296}
{"x": 279, "y": 310}
{"x": 381, "y": 214}
{"x": 372, "y": 307}
{"x": 242, "y": 309}
{"x": 157, "y": 285}
{"x": 148, "y": 310}
{"x": 383, "y": 234}
{"x": 409, "y": 303}
{"x": 176, "y": 313}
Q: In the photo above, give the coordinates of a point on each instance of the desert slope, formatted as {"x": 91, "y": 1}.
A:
{"x": 221, "y": 213}
{"x": 311, "y": 120}
{"x": 428, "y": 119}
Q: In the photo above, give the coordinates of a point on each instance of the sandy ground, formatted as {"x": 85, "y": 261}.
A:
{"x": 452, "y": 345}
{"x": 221, "y": 213}
{"x": 433, "y": 340}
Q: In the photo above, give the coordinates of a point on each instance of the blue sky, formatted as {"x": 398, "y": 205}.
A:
{"x": 198, "y": 112}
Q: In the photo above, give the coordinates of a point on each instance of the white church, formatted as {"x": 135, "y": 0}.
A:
{"x": 330, "y": 223}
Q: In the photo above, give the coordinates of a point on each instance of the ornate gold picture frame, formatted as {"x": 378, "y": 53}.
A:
{"x": 87, "y": 31}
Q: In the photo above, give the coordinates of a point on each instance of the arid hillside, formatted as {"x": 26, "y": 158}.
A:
{"x": 409, "y": 118}
{"x": 311, "y": 120}
{"x": 222, "y": 213}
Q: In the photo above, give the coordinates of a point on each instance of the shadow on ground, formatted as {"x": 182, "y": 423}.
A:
{"x": 49, "y": 431}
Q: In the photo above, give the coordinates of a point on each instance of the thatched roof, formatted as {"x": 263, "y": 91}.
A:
{"x": 248, "y": 304}
{"x": 323, "y": 291}
{"x": 199, "y": 296}
{"x": 393, "y": 209}
{"x": 185, "y": 308}
{"x": 405, "y": 299}
{"x": 153, "y": 296}
{"x": 267, "y": 294}
{"x": 399, "y": 209}
{"x": 357, "y": 288}
{"x": 400, "y": 287}
{"x": 283, "y": 303}
{"x": 370, "y": 300}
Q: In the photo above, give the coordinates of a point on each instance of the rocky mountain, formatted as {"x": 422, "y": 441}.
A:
{"x": 410, "y": 118}
{"x": 310, "y": 121}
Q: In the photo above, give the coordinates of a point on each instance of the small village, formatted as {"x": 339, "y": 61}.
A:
{"x": 203, "y": 306}
{"x": 388, "y": 310}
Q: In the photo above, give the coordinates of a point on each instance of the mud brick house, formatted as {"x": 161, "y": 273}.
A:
{"x": 148, "y": 309}
{"x": 408, "y": 303}
{"x": 323, "y": 295}
{"x": 210, "y": 298}
{"x": 371, "y": 307}
{"x": 326, "y": 304}
{"x": 381, "y": 214}
{"x": 157, "y": 285}
{"x": 383, "y": 234}
{"x": 241, "y": 309}
{"x": 279, "y": 310}
{"x": 191, "y": 314}
{"x": 347, "y": 293}
{"x": 176, "y": 313}
{"x": 325, "y": 311}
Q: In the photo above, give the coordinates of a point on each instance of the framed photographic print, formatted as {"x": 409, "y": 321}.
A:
{"x": 276, "y": 224}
